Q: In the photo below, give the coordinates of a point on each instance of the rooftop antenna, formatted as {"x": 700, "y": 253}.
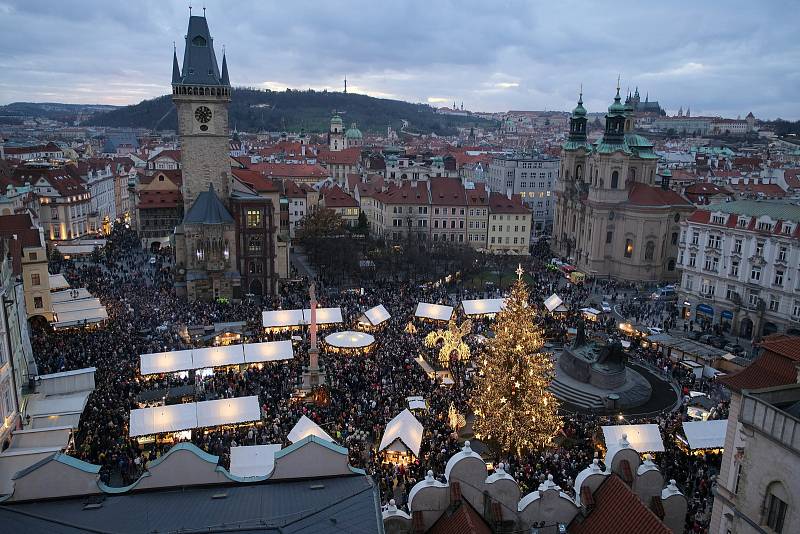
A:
{"x": 190, "y": 9}
{"x": 204, "y": 11}
{"x": 345, "y": 84}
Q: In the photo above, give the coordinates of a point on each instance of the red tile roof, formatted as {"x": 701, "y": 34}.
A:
{"x": 770, "y": 190}
{"x": 648, "y": 195}
{"x": 291, "y": 170}
{"x": 348, "y": 156}
{"x": 617, "y": 509}
{"x": 256, "y": 180}
{"x": 65, "y": 180}
{"x": 775, "y": 367}
{"x": 464, "y": 520}
{"x": 406, "y": 193}
{"x": 174, "y": 154}
{"x": 792, "y": 177}
{"x": 499, "y": 203}
{"x": 447, "y": 192}
{"x": 335, "y": 197}
{"x": 478, "y": 196}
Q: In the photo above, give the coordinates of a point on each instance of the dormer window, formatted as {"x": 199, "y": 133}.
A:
{"x": 787, "y": 229}
{"x": 199, "y": 41}
{"x": 718, "y": 219}
{"x": 742, "y": 222}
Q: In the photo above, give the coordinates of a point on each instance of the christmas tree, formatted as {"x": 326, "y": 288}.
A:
{"x": 512, "y": 404}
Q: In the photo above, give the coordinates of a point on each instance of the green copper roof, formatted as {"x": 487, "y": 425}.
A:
{"x": 353, "y": 132}
{"x": 637, "y": 141}
{"x": 336, "y": 118}
{"x": 617, "y": 108}
{"x": 665, "y": 172}
{"x": 575, "y": 145}
{"x": 579, "y": 110}
{"x": 757, "y": 208}
{"x": 601, "y": 147}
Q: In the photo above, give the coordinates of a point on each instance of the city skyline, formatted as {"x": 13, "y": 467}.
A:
{"x": 492, "y": 58}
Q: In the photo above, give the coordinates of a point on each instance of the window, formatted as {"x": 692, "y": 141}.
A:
{"x": 776, "y": 513}
{"x": 714, "y": 241}
{"x": 254, "y": 218}
{"x": 680, "y": 258}
{"x": 614, "y": 179}
{"x": 37, "y": 302}
{"x": 254, "y": 243}
{"x": 760, "y": 248}
{"x": 737, "y": 246}
{"x": 734, "y": 268}
{"x": 787, "y": 229}
{"x": 628, "y": 248}
{"x": 674, "y": 238}
{"x": 742, "y": 223}
{"x": 765, "y": 226}
{"x": 754, "y": 297}
{"x": 774, "y": 303}
{"x": 689, "y": 282}
{"x": 755, "y": 273}
{"x": 778, "y": 280}
{"x": 707, "y": 288}
{"x": 718, "y": 219}
{"x": 738, "y": 478}
{"x": 695, "y": 238}
{"x": 36, "y": 279}
{"x": 649, "y": 250}
{"x": 730, "y": 292}
{"x": 692, "y": 259}
{"x": 796, "y": 309}
{"x": 33, "y": 256}
{"x": 782, "y": 253}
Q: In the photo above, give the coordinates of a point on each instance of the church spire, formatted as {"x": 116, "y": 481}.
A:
{"x": 176, "y": 71}
{"x": 225, "y": 80}
{"x": 200, "y": 65}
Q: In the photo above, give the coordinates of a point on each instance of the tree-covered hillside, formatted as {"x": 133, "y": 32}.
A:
{"x": 254, "y": 110}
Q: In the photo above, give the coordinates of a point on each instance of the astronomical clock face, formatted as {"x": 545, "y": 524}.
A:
{"x": 202, "y": 114}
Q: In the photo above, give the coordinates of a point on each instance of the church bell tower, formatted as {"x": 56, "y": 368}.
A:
{"x": 201, "y": 94}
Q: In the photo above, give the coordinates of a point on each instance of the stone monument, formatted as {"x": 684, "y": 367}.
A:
{"x": 313, "y": 376}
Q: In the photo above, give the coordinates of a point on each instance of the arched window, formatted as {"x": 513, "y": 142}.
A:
{"x": 776, "y": 506}
{"x": 614, "y": 179}
{"x": 671, "y": 265}
{"x": 632, "y": 174}
{"x": 579, "y": 173}
{"x": 628, "y": 248}
{"x": 649, "y": 250}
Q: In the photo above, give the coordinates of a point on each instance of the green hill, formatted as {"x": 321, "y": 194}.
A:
{"x": 254, "y": 110}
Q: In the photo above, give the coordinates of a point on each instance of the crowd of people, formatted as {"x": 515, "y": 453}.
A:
{"x": 362, "y": 393}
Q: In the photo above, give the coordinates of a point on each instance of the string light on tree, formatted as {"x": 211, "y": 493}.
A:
{"x": 512, "y": 404}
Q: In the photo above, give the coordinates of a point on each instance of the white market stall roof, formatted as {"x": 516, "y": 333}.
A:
{"x": 307, "y": 427}
{"x": 69, "y": 294}
{"x": 76, "y": 250}
{"x": 324, "y": 316}
{"x": 69, "y": 318}
{"x": 76, "y": 304}
{"x": 553, "y": 302}
{"x": 165, "y": 362}
{"x": 203, "y": 358}
{"x": 436, "y": 312}
{"x": 175, "y": 417}
{"x": 705, "y": 434}
{"x": 228, "y": 411}
{"x": 417, "y": 402}
{"x": 405, "y": 428}
{"x": 377, "y": 315}
{"x": 253, "y": 460}
{"x": 349, "y": 339}
{"x": 282, "y": 318}
{"x": 268, "y": 351}
{"x": 643, "y": 438}
{"x": 591, "y": 311}
{"x": 58, "y": 282}
{"x": 483, "y": 306}
{"x": 159, "y": 419}
{"x": 217, "y": 356}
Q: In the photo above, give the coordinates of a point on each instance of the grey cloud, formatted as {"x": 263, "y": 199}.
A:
{"x": 716, "y": 57}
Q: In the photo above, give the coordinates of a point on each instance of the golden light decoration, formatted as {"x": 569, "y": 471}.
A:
{"x": 455, "y": 419}
{"x": 452, "y": 340}
{"x": 410, "y": 328}
{"x": 511, "y": 400}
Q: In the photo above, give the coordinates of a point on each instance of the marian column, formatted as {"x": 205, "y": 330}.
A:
{"x": 312, "y": 377}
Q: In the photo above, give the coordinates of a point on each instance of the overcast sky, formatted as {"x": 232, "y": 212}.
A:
{"x": 716, "y": 57}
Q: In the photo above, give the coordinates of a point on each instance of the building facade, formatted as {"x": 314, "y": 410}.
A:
{"x": 533, "y": 178}
{"x": 759, "y": 480}
{"x": 611, "y": 219}
{"x": 740, "y": 265}
{"x": 509, "y": 225}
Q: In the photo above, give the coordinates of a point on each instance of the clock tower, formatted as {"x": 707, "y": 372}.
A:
{"x": 201, "y": 94}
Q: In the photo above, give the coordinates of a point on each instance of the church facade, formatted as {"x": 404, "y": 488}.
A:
{"x": 615, "y": 214}
{"x": 225, "y": 246}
